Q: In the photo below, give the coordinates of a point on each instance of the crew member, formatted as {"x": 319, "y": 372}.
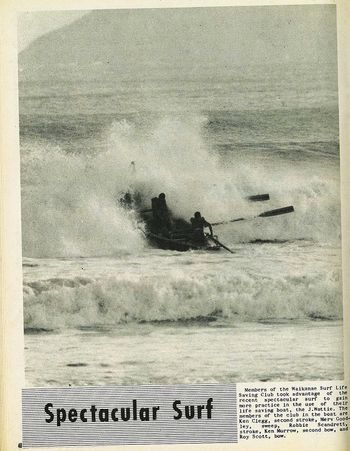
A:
{"x": 163, "y": 212}
{"x": 198, "y": 224}
{"x": 161, "y": 215}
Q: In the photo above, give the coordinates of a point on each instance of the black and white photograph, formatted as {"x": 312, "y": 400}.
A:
{"x": 180, "y": 195}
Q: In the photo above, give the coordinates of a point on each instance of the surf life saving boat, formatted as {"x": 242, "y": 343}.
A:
{"x": 180, "y": 237}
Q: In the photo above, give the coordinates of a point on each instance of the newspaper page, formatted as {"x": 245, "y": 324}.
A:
{"x": 175, "y": 217}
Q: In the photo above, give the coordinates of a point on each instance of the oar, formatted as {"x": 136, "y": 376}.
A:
{"x": 219, "y": 244}
{"x": 259, "y": 197}
{"x": 276, "y": 212}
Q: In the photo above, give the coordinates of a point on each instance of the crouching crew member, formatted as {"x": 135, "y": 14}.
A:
{"x": 161, "y": 215}
{"x": 198, "y": 225}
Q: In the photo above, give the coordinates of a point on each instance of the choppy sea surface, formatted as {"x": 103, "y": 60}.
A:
{"x": 101, "y": 306}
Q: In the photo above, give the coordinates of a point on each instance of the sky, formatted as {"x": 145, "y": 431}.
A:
{"x": 128, "y": 41}
{"x": 31, "y": 25}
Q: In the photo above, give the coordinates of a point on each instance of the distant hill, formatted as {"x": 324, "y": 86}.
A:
{"x": 138, "y": 43}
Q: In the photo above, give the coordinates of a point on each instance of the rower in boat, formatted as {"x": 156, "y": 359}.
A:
{"x": 163, "y": 210}
{"x": 161, "y": 215}
{"x": 198, "y": 223}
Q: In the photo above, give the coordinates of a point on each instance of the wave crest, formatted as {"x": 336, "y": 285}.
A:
{"x": 76, "y": 302}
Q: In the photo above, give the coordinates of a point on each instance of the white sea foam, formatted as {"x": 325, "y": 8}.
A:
{"x": 230, "y": 296}
{"x": 69, "y": 201}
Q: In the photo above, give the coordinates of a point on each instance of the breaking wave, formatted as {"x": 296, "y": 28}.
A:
{"x": 177, "y": 297}
{"x": 69, "y": 201}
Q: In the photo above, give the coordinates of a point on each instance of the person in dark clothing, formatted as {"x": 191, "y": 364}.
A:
{"x": 198, "y": 223}
{"x": 163, "y": 212}
{"x": 161, "y": 215}
{"x": 162, "y": 202}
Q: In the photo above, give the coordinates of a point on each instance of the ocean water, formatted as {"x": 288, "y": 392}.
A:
{"x": 101, "y": 306}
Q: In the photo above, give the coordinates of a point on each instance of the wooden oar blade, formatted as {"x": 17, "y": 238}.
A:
{"x": 259, "y": 197}
{"x": 277, "y": 211}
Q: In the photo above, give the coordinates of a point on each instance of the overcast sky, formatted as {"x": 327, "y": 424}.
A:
{"x": 34, "y": 24}
{"x": 31, "y": 25}
{"x": 147, "y": 39}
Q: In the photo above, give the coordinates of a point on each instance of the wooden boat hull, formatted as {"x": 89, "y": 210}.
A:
{"x": 176, "y": 244}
